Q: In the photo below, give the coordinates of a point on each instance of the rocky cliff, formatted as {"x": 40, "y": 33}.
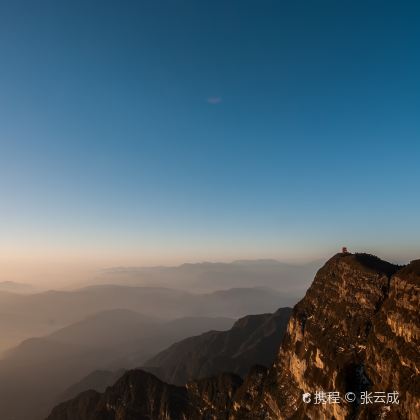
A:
{"x": 355, "y": 331}
{"x": 339, "y": 339}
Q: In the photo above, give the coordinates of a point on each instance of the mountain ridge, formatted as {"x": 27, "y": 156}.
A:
{"x": 253, "y": 339}
{"x": 356, "y": 329}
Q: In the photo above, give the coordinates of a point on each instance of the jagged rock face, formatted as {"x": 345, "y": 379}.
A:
{"x": 139, "y": 395}
{"x": 356, "y": 329}
{"x": 393, "y": 350}
{"x": 212, "y": 398}
{"x": 136, "y": 396}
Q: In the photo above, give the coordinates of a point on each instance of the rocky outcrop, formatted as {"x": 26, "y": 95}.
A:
{"x": 137, "y": 395}
{"x": 356, "y": 330}
{"x": 393, "y": 348}
{"x": 325, "y": 346}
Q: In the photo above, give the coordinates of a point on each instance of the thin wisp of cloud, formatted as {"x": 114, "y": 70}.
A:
{"x": 214, "y": 100}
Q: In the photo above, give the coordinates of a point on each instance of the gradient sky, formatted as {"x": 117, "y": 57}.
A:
{"x": 149, "y": 132}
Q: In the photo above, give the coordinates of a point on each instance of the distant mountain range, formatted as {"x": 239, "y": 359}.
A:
{"x": 23, "y": 316}
{"x": 43, "y": 368}
{"x": 204, "y": 289}
{"x": 206, "y": 277}
{"x": 54, "y": 339}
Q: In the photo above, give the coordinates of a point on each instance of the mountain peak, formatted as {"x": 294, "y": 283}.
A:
{"x": 364, "y": 261}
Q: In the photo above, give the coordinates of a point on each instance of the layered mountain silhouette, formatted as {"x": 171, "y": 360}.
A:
{"x": 24, "y": 316}
{"x": 356, "y": 330}
{"x": 207, "y": 277}
{"x": 43, "y": 368}
{"x": 254, "y": 339}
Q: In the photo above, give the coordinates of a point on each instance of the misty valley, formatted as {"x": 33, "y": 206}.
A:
{"x": 58, "y": 343}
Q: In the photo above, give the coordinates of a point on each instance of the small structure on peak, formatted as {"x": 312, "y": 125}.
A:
{"x": 344, "y": 250}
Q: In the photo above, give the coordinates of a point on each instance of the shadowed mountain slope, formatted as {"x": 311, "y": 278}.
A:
{"x": 97, "y": 380}
{"x": 252, "y": 340}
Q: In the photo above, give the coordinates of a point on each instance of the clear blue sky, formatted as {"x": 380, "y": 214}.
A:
{"x": 155, "y": 131}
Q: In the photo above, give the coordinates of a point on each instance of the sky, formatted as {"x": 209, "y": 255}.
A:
{"x": 159, "y": 132}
